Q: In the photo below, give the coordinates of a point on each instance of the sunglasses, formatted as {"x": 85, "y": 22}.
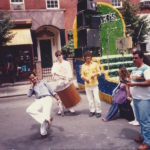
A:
{"x": 58, "y": 55}
{"x": 134, "y": 57}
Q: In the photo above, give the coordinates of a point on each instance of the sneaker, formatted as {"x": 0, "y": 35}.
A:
{"x": 98, "y": 115}
{"x": 44, "y": 128}
{"x": 91, "y": 114}
{"x": 71, "y": 110}
{"x": 131, "y": 122}
{"x": 43, "y": 132}
{"x": 59, "y": 112}
{"x": 134, "y": 122}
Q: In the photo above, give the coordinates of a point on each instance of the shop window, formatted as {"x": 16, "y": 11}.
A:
{"x": 24, "y": 63}
{"x": 52, "y": 4}
{"x": 117, "y": 3}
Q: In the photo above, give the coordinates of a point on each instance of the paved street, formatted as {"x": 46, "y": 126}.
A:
{"x": 19, "y": 132}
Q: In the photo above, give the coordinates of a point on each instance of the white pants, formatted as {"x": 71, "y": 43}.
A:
{"x": 40, "y": 109}
{"x": 92, "y": 94}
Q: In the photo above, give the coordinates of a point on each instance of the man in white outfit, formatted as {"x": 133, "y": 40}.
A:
{"x": 62, "y": 73}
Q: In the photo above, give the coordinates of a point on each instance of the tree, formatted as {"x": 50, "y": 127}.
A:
{"x": 68, "y": 49}
{"x": 5, "y": 26}
{"x": 137, "y": 26}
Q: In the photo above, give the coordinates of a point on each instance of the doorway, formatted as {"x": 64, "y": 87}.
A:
{"x": 46, "y": 53}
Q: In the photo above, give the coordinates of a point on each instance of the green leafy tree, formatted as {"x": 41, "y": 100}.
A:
{"x": 68, "y": 49}
{"x": 5, "y": 26}
{"x": 136, "y": 26}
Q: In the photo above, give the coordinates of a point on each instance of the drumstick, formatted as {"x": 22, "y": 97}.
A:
{"x": 61, "y": 107}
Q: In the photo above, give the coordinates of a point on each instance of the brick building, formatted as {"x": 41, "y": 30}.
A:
{"x": 43, "y": 26}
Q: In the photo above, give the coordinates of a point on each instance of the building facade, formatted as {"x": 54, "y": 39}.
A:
{"x": 41, "y": 28}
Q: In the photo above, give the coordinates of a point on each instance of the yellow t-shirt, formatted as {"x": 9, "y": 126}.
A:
{"x": 87, "y": 70}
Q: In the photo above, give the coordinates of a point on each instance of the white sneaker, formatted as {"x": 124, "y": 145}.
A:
{"x": 44, "y": 128}
{"x": 72, "y": 110}
{"x": 43, "y": 132}
{"x": 59, "y": 112}
{"x": 134, "y": 122}
{"x": 131, "y": 122}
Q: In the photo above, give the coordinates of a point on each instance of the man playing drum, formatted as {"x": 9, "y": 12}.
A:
{"x": 62, "y": 73}
{"x": 89, "y": 73}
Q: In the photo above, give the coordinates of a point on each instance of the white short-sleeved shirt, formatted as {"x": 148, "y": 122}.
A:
{"x": 141, "y": 92}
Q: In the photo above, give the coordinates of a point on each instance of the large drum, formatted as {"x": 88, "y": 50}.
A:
{"x": 68, "y": 94}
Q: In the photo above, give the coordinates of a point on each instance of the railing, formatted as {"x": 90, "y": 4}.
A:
{"x": 46, "y": 74}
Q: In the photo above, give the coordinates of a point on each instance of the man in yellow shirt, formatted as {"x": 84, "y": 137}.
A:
{"x": 89, "y": 73}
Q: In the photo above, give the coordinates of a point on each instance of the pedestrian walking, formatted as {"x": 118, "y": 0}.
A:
{"x": 40, "y": 109}
{"x": 140, "y": 91}
{"x": 89, "y": 72}
{"x": 10, "y": 68}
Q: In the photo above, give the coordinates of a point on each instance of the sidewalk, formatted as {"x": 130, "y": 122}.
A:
{"x": 19, "y": 88}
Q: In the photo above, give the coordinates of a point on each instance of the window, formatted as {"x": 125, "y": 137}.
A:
{"x": 53, "y": 4}
{"x": 16, "y": 1}
{"x": 17, "y": 5}
{"x": 144, "y": 4}
{"x": 116, "y": 3}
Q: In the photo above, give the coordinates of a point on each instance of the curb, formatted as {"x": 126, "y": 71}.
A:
{"x": 8, "y": 96}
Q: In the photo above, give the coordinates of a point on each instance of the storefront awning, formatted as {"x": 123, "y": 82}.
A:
{"x": 21, "y": 37}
